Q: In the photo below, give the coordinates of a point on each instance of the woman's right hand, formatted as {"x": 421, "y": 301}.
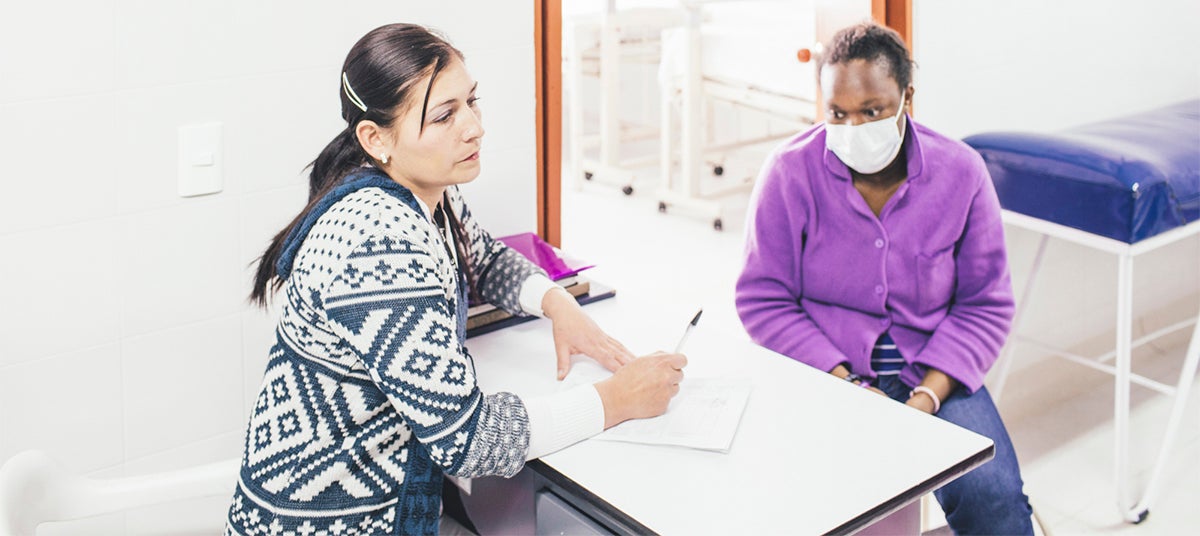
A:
{"x": 642, "y": 388}
{"x": 841, "y": 371}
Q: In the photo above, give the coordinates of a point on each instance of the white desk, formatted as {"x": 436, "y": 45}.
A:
{"x": 805, "y": 459}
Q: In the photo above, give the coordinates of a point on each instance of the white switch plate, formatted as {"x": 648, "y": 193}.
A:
{"x": 200, "y": 159}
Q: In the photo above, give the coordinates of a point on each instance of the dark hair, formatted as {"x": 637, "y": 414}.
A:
{"x": 870, "y": 41}
{"x": 379, "y": 73}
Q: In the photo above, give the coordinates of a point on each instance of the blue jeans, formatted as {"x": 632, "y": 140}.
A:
{"x": 989, "y": 499}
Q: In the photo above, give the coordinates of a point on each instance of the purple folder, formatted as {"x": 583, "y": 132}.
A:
{"x": 544, "y": 255}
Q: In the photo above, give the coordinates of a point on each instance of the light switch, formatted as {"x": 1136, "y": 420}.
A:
{"x": 200, "y": 159}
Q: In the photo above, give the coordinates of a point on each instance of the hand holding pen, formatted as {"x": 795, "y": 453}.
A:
{"x": 645, "y": 386}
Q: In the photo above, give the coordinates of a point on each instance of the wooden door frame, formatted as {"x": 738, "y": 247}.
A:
{"x": 895, "y": 14}
{"x": 547, "y": 38}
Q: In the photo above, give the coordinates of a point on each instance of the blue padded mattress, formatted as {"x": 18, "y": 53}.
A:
{"x": 1128, "y": 178}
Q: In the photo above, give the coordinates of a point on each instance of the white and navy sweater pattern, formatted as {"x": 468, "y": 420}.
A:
{"x": 370, "y": 395}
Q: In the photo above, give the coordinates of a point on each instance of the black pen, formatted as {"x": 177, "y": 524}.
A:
{"x": 687, "y": 331}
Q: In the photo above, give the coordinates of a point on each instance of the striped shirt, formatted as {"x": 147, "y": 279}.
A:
{"x": 885, "y": 357}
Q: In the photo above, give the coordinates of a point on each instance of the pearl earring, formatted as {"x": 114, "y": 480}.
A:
{"x": 383, "y": 158}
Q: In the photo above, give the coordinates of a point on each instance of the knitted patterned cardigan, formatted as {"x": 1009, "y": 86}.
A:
{"x": 369, "y": 395}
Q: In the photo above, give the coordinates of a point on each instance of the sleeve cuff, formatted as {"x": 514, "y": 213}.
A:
{"x": 966, "y": 378}
{"x": 563, "y": 419}
{"x": 533, "y": 290}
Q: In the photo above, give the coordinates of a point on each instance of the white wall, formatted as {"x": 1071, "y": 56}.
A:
{"x": 1048, "y": 64}
{"x": 1038, "y": 65}
{"x": 125, "y": 340}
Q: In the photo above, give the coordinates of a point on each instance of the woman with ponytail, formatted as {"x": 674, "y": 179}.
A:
{"x": 370, "y": 397}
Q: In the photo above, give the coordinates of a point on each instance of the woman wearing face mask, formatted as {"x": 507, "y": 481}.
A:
{"x": 875, "y": 251}
{"x": 370, "y": 395}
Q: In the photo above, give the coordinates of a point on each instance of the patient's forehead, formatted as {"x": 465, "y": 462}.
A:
{"x": 858, "y": 78}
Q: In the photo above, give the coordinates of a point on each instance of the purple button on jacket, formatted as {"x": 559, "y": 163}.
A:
{"x": 824, "y": 277}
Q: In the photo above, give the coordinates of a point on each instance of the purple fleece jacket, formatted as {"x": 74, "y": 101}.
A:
{"x": 824, "y": 277}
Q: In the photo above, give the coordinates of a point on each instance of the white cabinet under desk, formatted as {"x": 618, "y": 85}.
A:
{"x": 812, "y": 455}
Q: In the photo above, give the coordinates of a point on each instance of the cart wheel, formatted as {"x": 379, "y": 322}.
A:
{"x": 662, "y": 207}
{"x": 627, "y": 190}
{"x": 718, "y": 170}
{"x": 717, "y": 224}
{"x": 1142, "y": 516}
{"x": 587, "y": 175}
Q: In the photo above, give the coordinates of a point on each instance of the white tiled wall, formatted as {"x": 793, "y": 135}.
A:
{"x": 59, "y": 288}
{"x": 69, "y": 404}
{"x": 125, "y": 337}
{"x": 181, "y": 384}
{"x": 59, "y": 152}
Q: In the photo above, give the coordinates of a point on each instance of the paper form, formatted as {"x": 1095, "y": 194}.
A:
{"x": 704, "y": 415}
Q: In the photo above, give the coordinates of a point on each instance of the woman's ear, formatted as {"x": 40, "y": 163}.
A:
{"x": 908, "y": 96}
{"x": 372, "y": 138}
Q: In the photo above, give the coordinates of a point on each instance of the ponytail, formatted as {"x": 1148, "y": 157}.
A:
{"x": 337, "y": 159}
{"x": 461, "y": 244}
{"x": 377, "y": 78}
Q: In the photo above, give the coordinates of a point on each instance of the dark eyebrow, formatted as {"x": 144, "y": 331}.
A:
{"x": 452, "y": 99}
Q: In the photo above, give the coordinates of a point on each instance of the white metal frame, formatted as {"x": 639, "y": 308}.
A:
{"x": 1122, "y": 353}
{"x": 586, "y": 58}
{"x": 693, "y": 126}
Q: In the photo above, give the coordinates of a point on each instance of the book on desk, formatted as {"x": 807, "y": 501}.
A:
{"x": 564, "y": 270}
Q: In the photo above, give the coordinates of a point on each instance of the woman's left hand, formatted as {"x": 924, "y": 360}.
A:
{"x": 576, "y": 333}
{"x": 935, "y": 383}
{"x": 921, "y": 402}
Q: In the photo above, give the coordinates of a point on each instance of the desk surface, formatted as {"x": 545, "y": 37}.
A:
{"x": 806, "y": 458}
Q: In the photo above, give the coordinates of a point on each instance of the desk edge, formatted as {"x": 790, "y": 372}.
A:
{"x": 608, "y": 515}
{"x": 896, "y": 503}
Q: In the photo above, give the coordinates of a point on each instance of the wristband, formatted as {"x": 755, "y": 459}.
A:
{"x": 857, "y": 380}
{"x": 937, "y": 403}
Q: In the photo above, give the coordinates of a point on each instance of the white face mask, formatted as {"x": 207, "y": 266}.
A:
{"x": 869, "y": 147}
